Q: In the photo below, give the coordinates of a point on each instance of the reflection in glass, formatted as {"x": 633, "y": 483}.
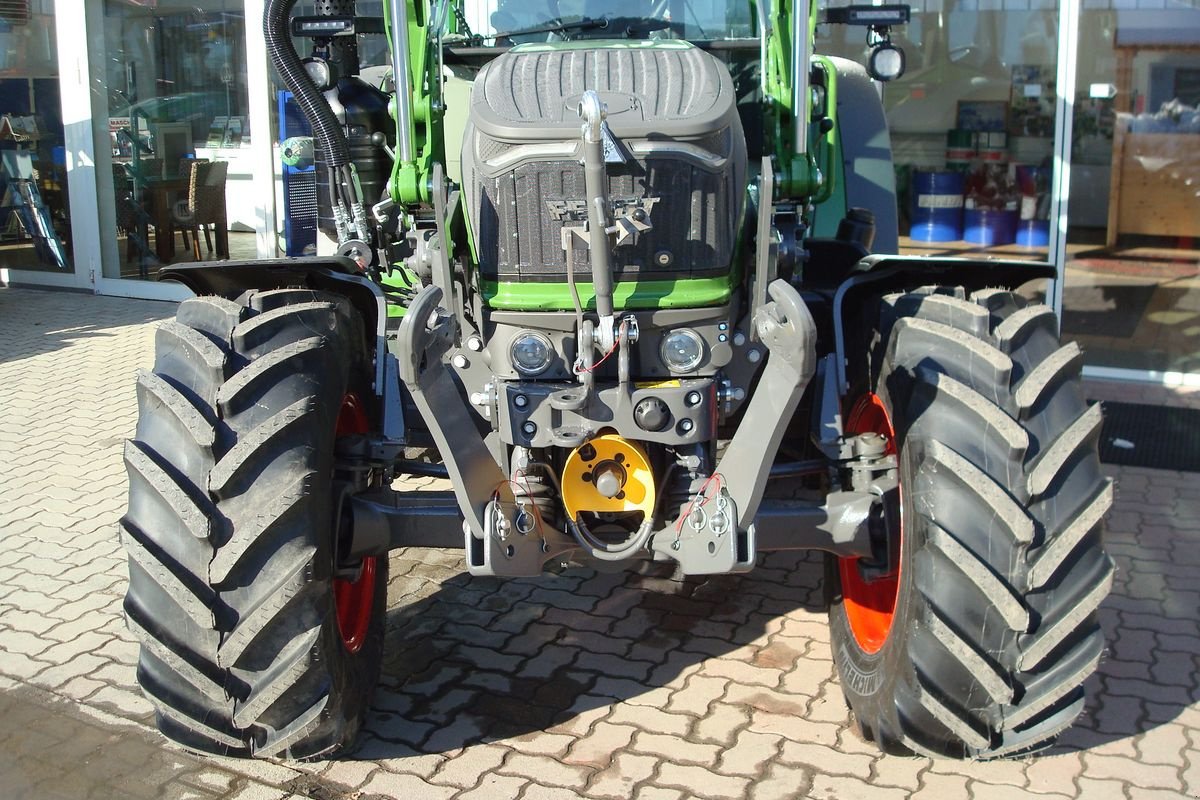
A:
{"x": 35, "y": 224}
{"x": 972, "y": 125}
{"x": 174, "y": 87}
{"x": 1131, "y": 296}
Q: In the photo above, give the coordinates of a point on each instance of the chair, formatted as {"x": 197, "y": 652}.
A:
{"x": 205, "y": 203}
{"x": 178, "y": 211}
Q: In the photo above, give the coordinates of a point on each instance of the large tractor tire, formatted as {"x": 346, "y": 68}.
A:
{"x": 978, "y": 646}
{"x": 251, "y": 643}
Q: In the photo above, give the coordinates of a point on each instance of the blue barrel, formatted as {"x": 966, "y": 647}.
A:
{"x": 988, "y": 226}
{"x": 937, "y": 206}
{"x": 1033, "y": 232}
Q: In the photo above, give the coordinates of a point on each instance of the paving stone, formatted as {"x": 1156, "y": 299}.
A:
{"x": 541, "y": 743}
{"x": 549, "y": 771}
{"x": 534, "y": 791}
{"x": 721, "y": 724}
{"x": 697, "y": 695}
{"x": 1149, "y": 776}
{"x": 1163, "y": 744}
{"x": 384, "y": 784}
{"x": 465, "y": 770}
{"x": 898, "y": 771}
{"x": 1138, "y": 793}
{"x": 598, "y": 747}
{"x": 618, "y": 779}
{"x": 795, "y": 728}
{"x": 741, "y": 672}
{"x": 650, "y": 719}
{"x": 782, "y": 783}
{"x": 1054, "y": 773}
{"x": 495, "y": 787}
{"x": 826, "y": 759}
{"x": 675, "y": 749}
{"x": 700, "y": 780}
{"x": 750, "y": 752}
{"x": 989, "y": 791}
{"x": 1093, "y": 789}
{"x": 347, "y": 772}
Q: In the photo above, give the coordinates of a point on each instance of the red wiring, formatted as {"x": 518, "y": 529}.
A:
{"x": 701, "y": 495}
{"x": 537, "y": 514}
{"x": 582, "y": 370}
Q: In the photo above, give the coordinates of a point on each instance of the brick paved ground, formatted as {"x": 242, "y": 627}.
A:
{"x": 583, "y": 685}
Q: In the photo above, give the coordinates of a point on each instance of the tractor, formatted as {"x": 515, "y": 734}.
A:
{"x": 624, "y": 275}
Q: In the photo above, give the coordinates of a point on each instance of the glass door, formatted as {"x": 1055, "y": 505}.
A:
{"x": 1131, "y": 294}
{"x": 174, "y": 163}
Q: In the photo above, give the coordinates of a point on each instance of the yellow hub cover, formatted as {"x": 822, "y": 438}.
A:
{"x": 608, "y": 474}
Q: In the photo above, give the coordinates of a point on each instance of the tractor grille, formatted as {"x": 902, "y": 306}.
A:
{"x": 694, "y": 219}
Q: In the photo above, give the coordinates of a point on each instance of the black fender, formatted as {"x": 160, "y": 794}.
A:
{"x": 230, "y": 279}
{"x": 856, "y": 306}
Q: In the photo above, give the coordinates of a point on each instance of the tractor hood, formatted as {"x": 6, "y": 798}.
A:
{"x": 677, "y": 157}
{"x": 650, "y": 88}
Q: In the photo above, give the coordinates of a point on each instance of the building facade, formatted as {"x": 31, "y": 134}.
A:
{"x": 1058, "y": 130}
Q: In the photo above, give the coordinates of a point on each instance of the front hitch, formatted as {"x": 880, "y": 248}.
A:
{"x": 786, "y": 327}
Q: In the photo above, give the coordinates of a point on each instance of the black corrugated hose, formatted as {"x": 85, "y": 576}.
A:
{"x": 324, "y": 124}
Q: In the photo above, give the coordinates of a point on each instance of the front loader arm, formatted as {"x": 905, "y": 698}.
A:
{"x": 417, "y": 105}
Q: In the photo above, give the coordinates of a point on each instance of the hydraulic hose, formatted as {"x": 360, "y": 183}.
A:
{"x": 320, "y": 116}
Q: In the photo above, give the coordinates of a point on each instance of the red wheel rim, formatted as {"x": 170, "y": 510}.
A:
{"x": 869, "y": 605}
{"x": 353, "y": 600}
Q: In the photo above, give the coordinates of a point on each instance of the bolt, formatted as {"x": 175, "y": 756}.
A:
{"x": 685, "y": 425}
{"x": 739, "y": 339}
{"x": 460, "y": 361}
{"x": 520, "y": 401}
{"x": 692, "y": 399}
{"x": 754, "y": 355}
{"x": 475, "y": 343}
{"x": 722, "y": 326}
{"x": 529, "y": 428}
{"x": 722, "y": 337}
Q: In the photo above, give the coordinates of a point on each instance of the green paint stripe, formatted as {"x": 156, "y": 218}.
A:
{"x": 683, "y": 293}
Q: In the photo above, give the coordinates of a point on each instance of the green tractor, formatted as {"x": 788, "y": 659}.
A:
{"x": 609, "y": 270}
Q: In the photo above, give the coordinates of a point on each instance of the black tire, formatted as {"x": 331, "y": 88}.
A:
{"x": 230, "y": 530}
{"x": 1002, "y": 565}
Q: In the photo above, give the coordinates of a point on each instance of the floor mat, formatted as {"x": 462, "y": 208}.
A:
{"x": 1162, "y": 437}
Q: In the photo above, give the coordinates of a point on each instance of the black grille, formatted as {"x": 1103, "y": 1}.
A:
{"x": 693, "y": 232}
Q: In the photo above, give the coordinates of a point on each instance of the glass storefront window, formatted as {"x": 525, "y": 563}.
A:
{"x": 174, "y": 92}
{"x": 972, "y": 124}
{"x": 1131, "y": 295}
{"x": 35, "y": 225}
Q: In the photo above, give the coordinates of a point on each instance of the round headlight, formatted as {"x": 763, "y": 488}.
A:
{"x": 530, "y": 352}
{"x": 886, "y": 62}
{"x": 682, "y": 350}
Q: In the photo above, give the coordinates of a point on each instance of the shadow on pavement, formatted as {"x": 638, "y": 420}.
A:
{"x": 481, "y": 659}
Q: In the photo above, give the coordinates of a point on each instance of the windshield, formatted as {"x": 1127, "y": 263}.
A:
{"x": 567, "y": 20}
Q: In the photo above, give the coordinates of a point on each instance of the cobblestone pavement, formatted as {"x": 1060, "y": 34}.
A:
{"x": 582, "y": 685}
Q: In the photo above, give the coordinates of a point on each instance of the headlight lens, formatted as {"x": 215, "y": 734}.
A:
{"x": 530, "y": 352}
{"x": 886, "y": 62}
{"x": 682, "y": 350}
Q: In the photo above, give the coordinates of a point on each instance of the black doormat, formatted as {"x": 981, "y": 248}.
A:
{"x": 1162, "y": 437}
